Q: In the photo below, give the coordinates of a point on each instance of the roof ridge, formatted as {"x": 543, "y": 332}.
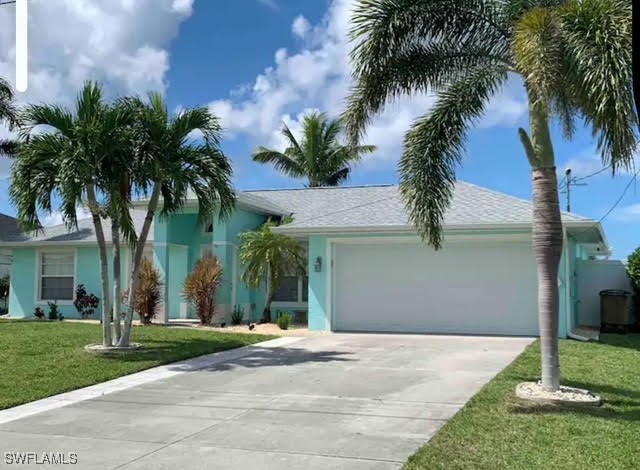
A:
{"x": 317, "y": 188}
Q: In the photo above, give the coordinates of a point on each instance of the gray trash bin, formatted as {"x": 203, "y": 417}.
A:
{"x": 615, "y": 308}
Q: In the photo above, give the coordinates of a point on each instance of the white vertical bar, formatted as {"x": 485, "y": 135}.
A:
{"x": 22, "y": 46}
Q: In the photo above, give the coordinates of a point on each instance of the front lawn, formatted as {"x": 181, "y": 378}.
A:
{"x": 495, "y": 431}
{"x": 40, "y": 359}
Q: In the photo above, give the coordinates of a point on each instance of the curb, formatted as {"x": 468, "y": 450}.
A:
{"x": 137, "y": 378}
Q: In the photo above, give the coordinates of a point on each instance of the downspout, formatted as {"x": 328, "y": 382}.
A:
{"x": 567, "y": 279}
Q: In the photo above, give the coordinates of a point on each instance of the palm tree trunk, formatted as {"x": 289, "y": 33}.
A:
{"x": 266, "y": 314}
{"x": 636, "y": 54}
{"x": 547, "y": 246}
{"x": 133, "y": 283}
{"x": 117, "y": 280}
{"x": 547, "y": 239}
{"x": 104, "y": 265}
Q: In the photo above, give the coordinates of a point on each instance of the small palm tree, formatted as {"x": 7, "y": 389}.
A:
{"x": 8, "y": 115}
{"x": 268, "y": 257}
{"x": 167, "y": 163}
{"x": 319, "y": 156}
{"x": 68, "y": 162}
{"x": 574, "y": 57}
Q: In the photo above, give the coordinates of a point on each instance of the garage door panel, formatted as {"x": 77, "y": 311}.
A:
{"x": 472, "y": 288}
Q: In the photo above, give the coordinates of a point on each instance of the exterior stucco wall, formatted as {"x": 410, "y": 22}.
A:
{"x": 22, "y": 293}
{"x": 24, "y": 281}
{"x": 179, "y": 241}
{"x": 317, "y": 304}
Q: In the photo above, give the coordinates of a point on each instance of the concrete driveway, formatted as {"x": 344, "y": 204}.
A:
{"x": 339, "y": 401}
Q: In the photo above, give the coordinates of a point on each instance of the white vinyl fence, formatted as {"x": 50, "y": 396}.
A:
{"x": 594, "y": 276}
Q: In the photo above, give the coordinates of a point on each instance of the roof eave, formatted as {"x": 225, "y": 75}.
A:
{"x": 447, "y": 228}
{"x": 193, "y": 203}
{"x": 583, "y": 224}
{"x": 397, "y": 228}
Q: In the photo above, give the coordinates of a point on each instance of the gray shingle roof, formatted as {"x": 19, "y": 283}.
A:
{"x": 85, "y": 232}
{"x": 382, "y": 206}
{"x": 318, "y": 209}
{"x": 8, "y": 228}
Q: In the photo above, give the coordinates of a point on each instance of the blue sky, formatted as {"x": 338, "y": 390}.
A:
{"x": 258, "y": 63}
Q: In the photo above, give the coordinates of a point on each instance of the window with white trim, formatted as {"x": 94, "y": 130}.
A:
{"x": 292, "y": 289}
{"x": 57, "y": 276}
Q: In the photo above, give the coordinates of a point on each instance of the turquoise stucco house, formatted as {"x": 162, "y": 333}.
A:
{"x": 367, "y": 268}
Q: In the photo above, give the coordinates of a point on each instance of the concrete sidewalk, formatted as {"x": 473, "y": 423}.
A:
{"x": 339, "y": 401}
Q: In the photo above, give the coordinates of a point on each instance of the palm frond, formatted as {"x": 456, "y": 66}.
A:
{"x": 403, "y": 47}
{"x": 538, "y": 52}
{"x": 598, "y": 36}
{"x": 53, "y": 116}
{"x": 266, "y": 254}
{"x": 8, "y": 110}
{"x": 196, "y": 119}
{"x": 8, "y": 148}
{"x": 435, "y": 145}
{"x": 282, "y": 162}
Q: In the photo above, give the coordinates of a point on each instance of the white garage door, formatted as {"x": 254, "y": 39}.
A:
{"x": 467, "y": 288}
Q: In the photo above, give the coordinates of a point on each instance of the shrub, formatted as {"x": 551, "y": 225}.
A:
{"x": 633, "y": 269}
{"x": 149, "y": 293}
{"x": 39, "y": 313}
{"x": 54, "y": 311}
{"x": 201, "y": 285}
{"x": 85, "y": 304}
{"x": 284, "y": 320}
{"x": 237, "y": 315}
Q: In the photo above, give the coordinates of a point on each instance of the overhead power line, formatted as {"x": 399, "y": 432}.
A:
{"x": 619, "y": 200}
{"x": 593, "y": 174}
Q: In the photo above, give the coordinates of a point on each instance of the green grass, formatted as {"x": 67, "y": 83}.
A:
{"x": 495, "y": 430}
{"x": 40, "y": 359}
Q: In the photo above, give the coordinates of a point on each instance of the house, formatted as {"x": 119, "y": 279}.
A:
{"x": 368, "y": 270}
{"x": 8, "y": 230}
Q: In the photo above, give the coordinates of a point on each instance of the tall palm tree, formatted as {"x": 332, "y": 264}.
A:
{"x": 118, "y": 190}
{"x": 167, "y": 162}
{"x": 268, "y": 257}
{"x": 636, "y": 53}
{"x": 65, "y": 154}
{"x": 9, "y": 116}
{"x": 574, "y": 57}
{"x": 319, "y": 156}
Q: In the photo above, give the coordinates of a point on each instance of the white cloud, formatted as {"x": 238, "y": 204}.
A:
{"x": 628, "y": 214}
{"x": 270, "y": 3}
{"x": 319, "y": 76}
{"x": 55, "y": 218}
{"x": 121, "y": 43}
{"x": 588, "y": 163}
{"x": 300, "y": 26}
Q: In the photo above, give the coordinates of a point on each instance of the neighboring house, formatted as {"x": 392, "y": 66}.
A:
{"x": 8, "y": 231}
{"x": 367, "y": 268}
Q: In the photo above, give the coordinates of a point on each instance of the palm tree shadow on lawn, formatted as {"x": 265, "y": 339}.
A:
{"x": 614, "y": 409}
